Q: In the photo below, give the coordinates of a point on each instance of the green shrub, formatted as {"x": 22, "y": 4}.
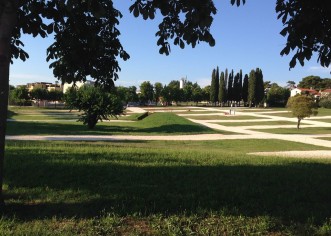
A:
{"x": 326, "y": 102}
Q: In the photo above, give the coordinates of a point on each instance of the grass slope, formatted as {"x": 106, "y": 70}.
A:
{"x": 164, "y": 188}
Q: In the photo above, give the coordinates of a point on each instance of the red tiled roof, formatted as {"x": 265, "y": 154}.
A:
{"x": 310, "y": 91}
{"x": 326, "y": 91}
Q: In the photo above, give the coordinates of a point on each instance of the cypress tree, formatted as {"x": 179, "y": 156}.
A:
{"x": 217, "y": 85}
{"x": 245, "y": 90}
{"x": 259, "y": 91}
{"x": 226, "y": 78}
{"x": 230, "y": 87}
{"x": 251, "y": 87}
{"x": 236, "y": 92}
{"x": 213, "y": 87}
{"x": 240, "y": 87}
{"x": 222, "y": 90}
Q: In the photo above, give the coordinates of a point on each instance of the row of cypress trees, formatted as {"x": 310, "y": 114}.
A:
{"x": 228, "y": 88}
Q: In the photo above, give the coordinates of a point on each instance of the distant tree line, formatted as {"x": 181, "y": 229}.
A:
{"x": 165, "y": 94}
{"x": 226, "y": 88}
{"x": 315, "y": 82}
{"x": 22, "y": 96}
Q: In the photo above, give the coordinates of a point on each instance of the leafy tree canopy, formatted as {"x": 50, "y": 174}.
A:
{"x": 277, "y": 96}
{"x": 147, "y": 91}
{"x": 20, "y": 95}
{"x": 96, "y": 104}
{"x": 315, "y": 82}
{"x": 307, "y": 27}
{"x": 302, "y": 106}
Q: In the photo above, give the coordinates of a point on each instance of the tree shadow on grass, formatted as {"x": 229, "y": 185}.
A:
{"x": 40, "y": 128}
{"x": 85, "y": 185}
{"x": 10, "y": 114}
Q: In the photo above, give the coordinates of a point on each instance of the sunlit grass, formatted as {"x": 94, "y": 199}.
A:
{"x": 163, "y": 188}
{"x": 222, "y": 117}
{"x": 155, "y": 124}
{"x": 275, "y": 123}
{"x": 294, "y": 130}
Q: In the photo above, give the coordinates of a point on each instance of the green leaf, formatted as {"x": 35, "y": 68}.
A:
{"x": 284, "y": 31}
{"x": 136, "y": 11}
{"x": 293, "y": 62}
{"x": 151, "y": 14}
{"x": 181, "y": 44}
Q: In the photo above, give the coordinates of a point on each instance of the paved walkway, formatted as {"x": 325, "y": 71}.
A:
{"x": 251, "y": 132}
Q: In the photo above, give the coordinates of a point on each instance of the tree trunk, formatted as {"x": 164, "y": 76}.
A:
{"x": 7, "y": 24}
{"x": 298, "y": 125}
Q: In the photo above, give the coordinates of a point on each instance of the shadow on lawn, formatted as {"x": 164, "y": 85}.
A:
{"x": 40, "y": 128}
{"x": 10, "y": 114}
{"x": 294, "y": 193}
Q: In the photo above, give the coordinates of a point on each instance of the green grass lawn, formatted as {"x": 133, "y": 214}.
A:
{"x": 282, "y": 114}
{"x": 257, "y": 123}
{"x": 42, "y": 114}
{"x": 197, "y": 112}
{"x": 257, "y": 110}
{"x": 221, "y": 117}
{"x": 308, "y": 130}
{"x": 164, "y": 188}
{"x": 328, "y": 139}
{"x": 321, "y": 112}
{"x": 324, "y": 112}
{"x": 155, "y": 124}
{"x": 322, "y": 120}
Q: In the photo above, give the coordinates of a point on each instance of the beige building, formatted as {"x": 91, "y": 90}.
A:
{"x": 325, "y": 93}
{"x": 44, "y": 85}
{"x": 66, "y": 86}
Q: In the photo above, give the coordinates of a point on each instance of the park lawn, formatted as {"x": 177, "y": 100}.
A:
{"x": 257, "y": 110}
{"x": 324, "y": 112}
{"x": 280, "y": 122}
{"x": 326, "y": 138}
{"x": 287, "y": 114}
{"x": 42, "y": 114}
{"x": 222, "y": 117}
{"x": 164, "y": 188}
{"x": 322, "y": 120}
{"x": 65, "y": 116}
{"x": 155, "y": 124}
{"x": 321, "y": 112}
{"x": 306, "y": 130}
{"x": 202, "y": 112}
{"x": 169, "y": 108}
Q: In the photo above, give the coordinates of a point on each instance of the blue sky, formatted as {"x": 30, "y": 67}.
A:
{"x": 246, "y": 37}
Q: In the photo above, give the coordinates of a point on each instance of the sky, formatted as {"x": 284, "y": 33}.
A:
{"x": 246, "y": 37}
